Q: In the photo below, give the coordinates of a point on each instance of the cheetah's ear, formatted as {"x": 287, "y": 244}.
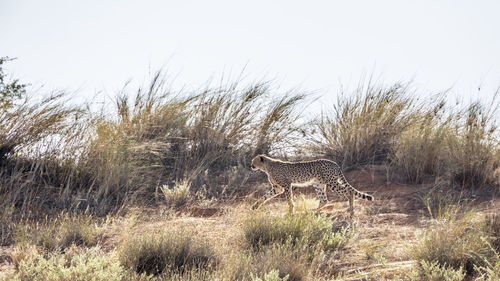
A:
{"x": 261, "y": 159}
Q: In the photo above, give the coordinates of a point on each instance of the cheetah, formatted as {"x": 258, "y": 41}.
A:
{"x": 322, "y": 173}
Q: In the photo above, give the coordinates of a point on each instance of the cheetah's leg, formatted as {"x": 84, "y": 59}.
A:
{"x": 343, "y": 192}
{"x": 321, "y": 192}
{"x": 270, "y": 194}
{"x": 349, "y": 194}
{"x": 289, "y": 197}
{"x": 351, "y": 205}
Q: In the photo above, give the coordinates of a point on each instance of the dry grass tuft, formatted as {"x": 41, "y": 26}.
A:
{"x": 287, "y": 260}
{"x": 178, "y": 195}
{"x": 456, "y": 239}
{"x": 171, "y": 252}
{"x": 361, "y": 128}
{"x": 60, "y": 233}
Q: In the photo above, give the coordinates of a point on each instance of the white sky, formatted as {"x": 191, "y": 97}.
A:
{"x": 317, "y": 45}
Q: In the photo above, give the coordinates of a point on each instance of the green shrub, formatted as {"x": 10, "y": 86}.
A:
{"x": 435, "y": 272}
{"x": 171, "y": 252}
{"x": 58, "y": 267}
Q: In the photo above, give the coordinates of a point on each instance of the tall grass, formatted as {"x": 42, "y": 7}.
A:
{"x": 205, "y": 138}
{"x": 57, "y": 156}
{"x": 418, "y": 140}
{"x": 474, "y": 153}
{"x": 363, "y": 126}
{"x": 421, "y": 151}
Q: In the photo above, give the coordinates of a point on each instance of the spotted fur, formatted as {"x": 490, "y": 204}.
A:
{"x": 322, "y": 173}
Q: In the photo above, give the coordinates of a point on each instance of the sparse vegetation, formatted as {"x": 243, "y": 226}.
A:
{"x": 63, "y": 166}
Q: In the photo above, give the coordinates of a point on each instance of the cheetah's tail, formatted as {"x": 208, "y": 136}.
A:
{"x": 357, "y": 193}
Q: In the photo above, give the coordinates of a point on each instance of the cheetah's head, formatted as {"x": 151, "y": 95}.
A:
{"x": 259, "y": 162}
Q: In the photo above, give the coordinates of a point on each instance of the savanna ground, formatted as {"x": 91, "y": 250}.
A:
{"x": 157, "y": 186}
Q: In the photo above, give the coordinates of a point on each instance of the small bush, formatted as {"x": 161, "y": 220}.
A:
{"x": 314, "y": 230}
{"x": 435, "y": 272}
{"x": 58, "y": 267}
{"x": 171, "y": 252}
{"x": 60, "y": 233}
{"x": 178, "y": 195}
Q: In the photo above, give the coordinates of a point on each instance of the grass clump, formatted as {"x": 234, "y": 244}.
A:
{"x": 420, "y": 152}
{"x": 456, "y": 238}
{"x": 474, "y": 152}
{"x": 283, "y": 261}
{"x": 287, "y": 243}
{"x": 60, "y": 233}
{"x": 55, "y": 156}
{"x": 312, "y": 231}
{"x": 174, "y": 252}
{"x": 436, "y": 272}
{"x": 178, "y": 195}
{"x": 362, "y": 128}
